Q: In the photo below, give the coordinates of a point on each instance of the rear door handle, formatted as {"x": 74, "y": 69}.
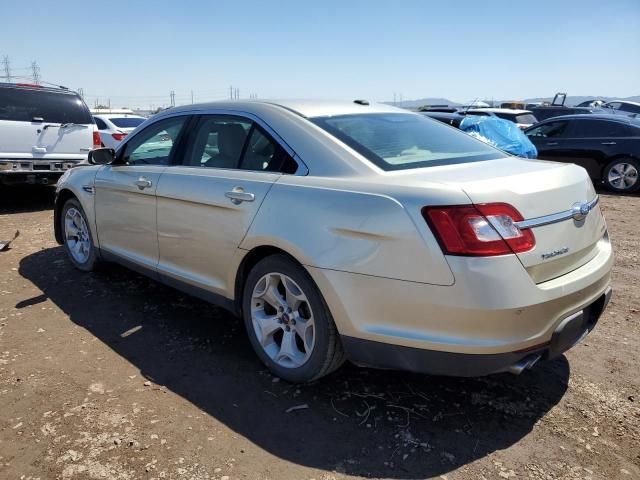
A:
{"x": 143, "y": 183}
{"x": 608, "y": 143}
{"x": 238, "y": 195}
{"x": 552, "y": 143}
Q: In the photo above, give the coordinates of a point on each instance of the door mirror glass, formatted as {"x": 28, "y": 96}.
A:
{"x": 102, "y": 156}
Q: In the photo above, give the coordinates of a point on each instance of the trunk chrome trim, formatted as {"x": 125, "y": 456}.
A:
{"x": 578, "y": 212}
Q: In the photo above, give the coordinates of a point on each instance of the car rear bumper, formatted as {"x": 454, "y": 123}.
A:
{"x": 570, "y": 331}
{"x": 26, "y": 171}
{"x": 494, "y": 309}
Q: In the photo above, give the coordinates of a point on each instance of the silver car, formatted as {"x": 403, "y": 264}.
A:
{"x": 349, "y": 231}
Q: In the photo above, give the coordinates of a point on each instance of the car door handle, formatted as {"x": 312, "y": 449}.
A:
{"x": 238, "y": 195}
{"x": 552, "y": 143}
{"x": 143, "y": 183}
{"x": 608, "y": 143}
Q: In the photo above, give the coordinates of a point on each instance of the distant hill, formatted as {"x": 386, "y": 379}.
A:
{"x": 571, "y": 100}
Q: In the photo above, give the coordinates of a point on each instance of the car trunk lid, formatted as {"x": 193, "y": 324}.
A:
{"x": 545, "y": 194}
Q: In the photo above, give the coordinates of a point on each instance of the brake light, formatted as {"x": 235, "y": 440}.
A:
{"x": 96, "y": 139}
{"x": 118, "y": 136}
{"x": 479, "y": 230}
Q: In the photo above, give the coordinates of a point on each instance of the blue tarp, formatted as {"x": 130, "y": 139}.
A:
{"x": 500, "y": 133}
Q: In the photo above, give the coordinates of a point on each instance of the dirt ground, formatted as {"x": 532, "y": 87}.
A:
{"x": 111, "y": 375}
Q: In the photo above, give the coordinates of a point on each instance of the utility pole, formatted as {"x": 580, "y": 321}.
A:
{"x": 81, "y": 93}
{"x": 231, "y": 92}
{"x": 191, "y": 97}
{"x": 7, "y": 68}
{"x": 172, "y": 98}
{"x": 35, "y": 72}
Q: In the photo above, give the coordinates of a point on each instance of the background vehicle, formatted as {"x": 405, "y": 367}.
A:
{"x": 622, "y": 106}
{"x": 43, "y": 132}
{"x": 557, "y": 108}
{"x": 348, "y": 230}
{"x": 500, "y": 133}
{"x": 114, "y": 127}
{"x": 607, "y": 146}
{"x": 591, "y": 103}
{"x": 522, "y": 118}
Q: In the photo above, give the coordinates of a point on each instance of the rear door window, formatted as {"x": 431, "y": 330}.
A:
{"x": 32, "y": 104}
{"x": 598, "y": 129}
{"x": 127, "y": 122}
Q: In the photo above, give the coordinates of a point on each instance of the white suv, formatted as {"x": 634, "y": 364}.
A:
{"x": 43, "y": 132}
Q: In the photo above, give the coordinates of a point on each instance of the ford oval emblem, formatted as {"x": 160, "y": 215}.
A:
{"x": 580, "y": 211}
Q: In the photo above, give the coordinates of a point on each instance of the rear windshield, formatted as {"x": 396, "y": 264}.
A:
{"x": 23, "y": 105}
{"x": 522, "y": 118}
{"x": 127, "y": 122}
{"x": 399, "y": 141}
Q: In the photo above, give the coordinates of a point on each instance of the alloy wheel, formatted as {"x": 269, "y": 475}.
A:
{"x": 77, "y": 235}
{"x": 282, "y": 320}
{"x": 623, "y": 176}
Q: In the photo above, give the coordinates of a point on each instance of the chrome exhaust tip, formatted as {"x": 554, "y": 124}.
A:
{"x": 527, "y": 362}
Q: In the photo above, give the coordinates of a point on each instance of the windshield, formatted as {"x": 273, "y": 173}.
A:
{"x": 398, "y": 141}
{"x": 127, "y": 122}
{"x": 23, "y": 105}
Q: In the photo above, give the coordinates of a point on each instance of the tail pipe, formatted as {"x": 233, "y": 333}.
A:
{"x": 527, "y": 362}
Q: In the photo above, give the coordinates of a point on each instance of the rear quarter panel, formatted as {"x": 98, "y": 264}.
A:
{"x": 338, "y": 226}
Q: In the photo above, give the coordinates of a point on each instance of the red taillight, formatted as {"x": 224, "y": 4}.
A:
{"x": 118, "y": 136}
{"x": 96, "y": 139}
{"x": 479, "y": 230}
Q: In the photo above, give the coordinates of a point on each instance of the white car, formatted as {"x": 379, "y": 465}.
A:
{"x": 114, "y": 128}
{"x": 349, "y": 231}
{"x": 43, "y": 132}
{"x": 522, "y": 118}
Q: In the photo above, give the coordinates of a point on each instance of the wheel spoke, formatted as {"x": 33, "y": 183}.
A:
{"x": 289, "y": 350}
{"x": 304, "y": 329}
{"x": 266, "y": 326}
{"x": 271, "y": 295}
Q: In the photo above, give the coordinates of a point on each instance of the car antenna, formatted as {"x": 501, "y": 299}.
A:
{"x": 468, "y": 107}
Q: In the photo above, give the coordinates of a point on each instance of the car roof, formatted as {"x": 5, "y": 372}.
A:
{"x": 624, "y": 101}
{"x": 116, "y": 115}
{"x": 500, "y": 110}
{"x": 38, "y": 88}
{"x": 597, "y": 116}
{"x": 304, "y": 108}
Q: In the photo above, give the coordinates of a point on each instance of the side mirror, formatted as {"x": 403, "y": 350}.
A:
{"x": 102, "y": 156}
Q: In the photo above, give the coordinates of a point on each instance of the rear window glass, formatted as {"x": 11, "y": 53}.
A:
{"x": 22, "y": 105}
{"x": 398, "y": 141}
{"x": 127, "y": 122}
{"x": 526, "y": 118}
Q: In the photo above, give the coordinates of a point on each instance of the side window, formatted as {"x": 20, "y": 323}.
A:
{"x": 154, "y": 144}
{"x": 614, "y": 105}
{"x": 549, "y": 130}
{"x": 217, "y": 142}
{"x": 101, "y": 125}
{"x": 263, "y": 153}
{"x": 598, "y": 129}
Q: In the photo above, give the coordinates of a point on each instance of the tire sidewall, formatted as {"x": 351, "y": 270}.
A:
{"x": 322, "y": 319}
{"x": 608, "y": 168}
{"x": 91, "y": 260}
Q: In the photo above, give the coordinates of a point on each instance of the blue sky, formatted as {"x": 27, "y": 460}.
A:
{"x": 136, "y": 52}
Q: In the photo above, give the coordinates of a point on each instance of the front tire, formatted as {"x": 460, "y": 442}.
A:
{"x": 77, "y": 237}
{"x": 288, "y": 322}
{"x": 622, "y": 175}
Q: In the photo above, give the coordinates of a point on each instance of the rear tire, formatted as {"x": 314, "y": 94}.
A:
{"x": 288, "y": 322}
{"x": 77, "y": 237}
{"x": 622, "y": 175}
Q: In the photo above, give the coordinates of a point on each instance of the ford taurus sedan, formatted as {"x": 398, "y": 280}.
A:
{"x": 349, "y": 231}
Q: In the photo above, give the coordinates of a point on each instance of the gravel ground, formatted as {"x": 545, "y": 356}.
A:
{"x": 111, "y": 375}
